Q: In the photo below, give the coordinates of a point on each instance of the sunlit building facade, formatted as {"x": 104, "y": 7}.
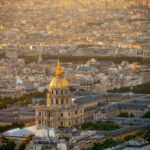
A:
{"x": 62, "y": 110}
{"x": 59, "y": 110}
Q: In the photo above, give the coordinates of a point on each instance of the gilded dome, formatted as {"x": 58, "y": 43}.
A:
{"x": 58, "y": 81}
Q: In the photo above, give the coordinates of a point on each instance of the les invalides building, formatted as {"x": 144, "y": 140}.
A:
{"x": 60, "y": 110}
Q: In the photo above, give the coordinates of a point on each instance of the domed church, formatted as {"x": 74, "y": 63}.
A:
{"x": 60, "y": 110}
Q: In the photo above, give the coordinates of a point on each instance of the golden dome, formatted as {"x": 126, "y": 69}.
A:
{"x": 58, "y": 81}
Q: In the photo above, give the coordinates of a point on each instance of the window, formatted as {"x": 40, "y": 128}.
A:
{"x": 69, "y": 123}
{"x": 76, "y": 112}
{"x": 39, "y": 122}
{"x": 56, "y": 101}
{"x": 39, "y": 113}
{"x": 69, "y": 113}
{"x": 61, "y": 114}
{"x": 52, "y": 91}
{"x": 67, "y": 101}
{"x": 56, "y": 92}
{"x": 49, "y": 114}
{"x": 61, "y": 123}
{"x": 52, "y": 101}
{"x": 62, "y": 101}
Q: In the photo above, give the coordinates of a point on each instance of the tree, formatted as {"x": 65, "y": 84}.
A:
{"x": 86, "y": 125}
{"x": 124, "y": 115}
{"x": 139, "y": 89}
{"x": 72, "y": 89}
{"x": 129, "y": 137}
{"x": 8, "y": 146}
{"x": 131, "y": 115}
{"x": 147, "y": 115}
{"x": 11, "y": 126}
{"x": 25, "y": 142}
{"x": 105, "y": 126}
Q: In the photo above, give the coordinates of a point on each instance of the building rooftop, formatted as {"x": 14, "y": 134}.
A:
{"x": 17, "y": 133}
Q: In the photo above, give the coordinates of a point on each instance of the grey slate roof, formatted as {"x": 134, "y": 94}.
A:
{"x": 87, "y": 99}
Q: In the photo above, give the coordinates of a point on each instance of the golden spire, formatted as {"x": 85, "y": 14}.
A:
{"x": 58, "y": 72}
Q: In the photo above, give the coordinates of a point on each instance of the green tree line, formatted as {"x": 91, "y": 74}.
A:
{"x": 11, "y": 126}
{"x": 24, "y": 99}
{"x": 139, "y": 89}
{"x": 105, "y": 126}
{"x": 126, "y": 115}
{"x": 83, "y": 59}
{"x": 10, "y": 145}
{"x": 110, "y": 142}
{"x": 25, "y": 142}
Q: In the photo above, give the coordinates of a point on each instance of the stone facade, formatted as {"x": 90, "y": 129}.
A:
{"x": 60, "y": 110}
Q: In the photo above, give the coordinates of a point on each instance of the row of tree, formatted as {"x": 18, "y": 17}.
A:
{"x": 139, "y": 89}
{"x": 25, "y": 142}
{"x": 10, "y": 145}
{"x": 126, "y": 115}
{"x": 24, "y": 99}
{"x": 11, "y": 126}
{"x": 145, "y": 134}
{"x": 102, "y": 126}
{"x": 110, "y": 142}
{"x": 83, "y": 59}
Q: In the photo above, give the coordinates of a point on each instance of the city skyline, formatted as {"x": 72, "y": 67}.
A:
{"x": 74, "y": 74}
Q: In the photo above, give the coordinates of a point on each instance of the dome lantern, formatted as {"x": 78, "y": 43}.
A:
{"x": 58, "y": 81}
